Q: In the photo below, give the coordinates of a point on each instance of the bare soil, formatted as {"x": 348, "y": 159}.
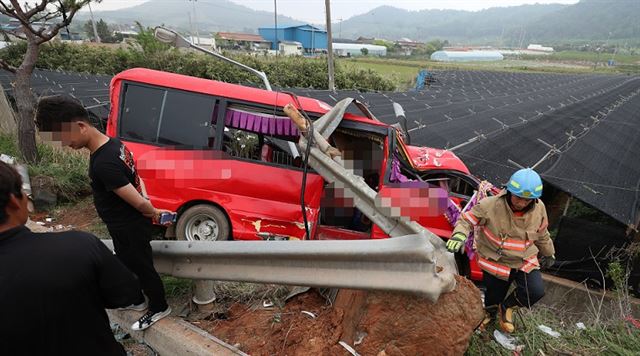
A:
{"x": 275, "y": 331}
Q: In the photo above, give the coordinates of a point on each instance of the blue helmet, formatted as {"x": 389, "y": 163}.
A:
{"x": 525, "y": 183}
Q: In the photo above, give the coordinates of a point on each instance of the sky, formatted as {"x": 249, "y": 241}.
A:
{"x": 313, "y": 10}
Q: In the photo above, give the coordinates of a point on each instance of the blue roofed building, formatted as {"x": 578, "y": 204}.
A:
{"x": 313, "y": 39}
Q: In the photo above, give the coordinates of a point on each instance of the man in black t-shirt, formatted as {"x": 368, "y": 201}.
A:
{"x": 117, "y": 193}
{"x": 54, "y": 287}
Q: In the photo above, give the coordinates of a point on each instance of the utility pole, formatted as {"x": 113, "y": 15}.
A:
{"x": 93, "y": 23}
{"x": 195, "y": 22}
{"x": 332, "y": 85}
{"x": 191, "y": 32}
{"x": 275, "y": 16}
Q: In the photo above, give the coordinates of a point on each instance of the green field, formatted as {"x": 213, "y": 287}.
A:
{"x": 593, "y": 57}
{"x": 404, "y": 71}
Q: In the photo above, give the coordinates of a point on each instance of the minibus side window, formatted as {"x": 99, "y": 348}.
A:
{"x": 187, "y": 120}
{"x": 140, "y": 113}
{"x": 168, "y": 117}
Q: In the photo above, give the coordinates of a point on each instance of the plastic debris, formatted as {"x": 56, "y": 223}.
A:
{"x": 267, "y": 304}
{"x": 48, "y": 220}
{"x": 7, "y": 159}
{"x": 581, "y": 326}
{"x": 508, "y": 342}
{"x": 349, "y": 348}
{"x": 633, "y": 321}
{"x": 547, "y": 330}
{"x": 309, "y": 314}
{"x": 359, "y": 338}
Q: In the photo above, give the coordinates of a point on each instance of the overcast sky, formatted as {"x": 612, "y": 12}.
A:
{"x": 313, "y": 10}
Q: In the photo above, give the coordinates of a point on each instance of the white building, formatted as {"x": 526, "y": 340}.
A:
{"x": 355, "y": 49}
{"x": 541, "y": 48}
{"x": 290, "y": 48}
{"x": 204, "y": 42}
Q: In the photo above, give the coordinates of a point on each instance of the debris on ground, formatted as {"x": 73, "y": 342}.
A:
{"x": 581, "y": 326}
{"x": 507, "y": 341}
{"x": 368, "y": 322}
{"x": 547, "y": 330}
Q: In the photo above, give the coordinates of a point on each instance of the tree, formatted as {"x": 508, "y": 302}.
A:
{"x": 103, "y": 31}
{"x": 364, "y": 51}
{"x": 40, "y": 22}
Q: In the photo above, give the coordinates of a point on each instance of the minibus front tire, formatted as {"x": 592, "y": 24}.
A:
{"x": 203, "y": 222}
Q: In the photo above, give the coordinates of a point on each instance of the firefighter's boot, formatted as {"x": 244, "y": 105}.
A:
{"x": 489, "y": 316}
{"x": 505, "y": 317}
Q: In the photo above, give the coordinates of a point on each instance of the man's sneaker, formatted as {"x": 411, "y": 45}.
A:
{"x": 136, "y": 307}
{"x": 149, "y": 318}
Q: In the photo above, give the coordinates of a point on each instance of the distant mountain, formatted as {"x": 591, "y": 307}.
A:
{"x": 211, "y": 16}
{"x": 591, "y": 19}
{"x": 510, "y": 26}
{"x": 586, "y": 20}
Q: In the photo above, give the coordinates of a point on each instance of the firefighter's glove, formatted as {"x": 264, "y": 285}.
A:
{"x": 456, "y": 242}
{"x": 547, "y": 262}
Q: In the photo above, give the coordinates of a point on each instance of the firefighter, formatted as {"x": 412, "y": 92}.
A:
{"x": 510, "y": 232}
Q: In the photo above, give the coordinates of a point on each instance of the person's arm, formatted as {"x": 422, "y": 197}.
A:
{"x": 543, "y": 241}
{"x": 464, "y": 225}
{"x": 471, "y": 218}
{"x": 114, "y": 177}
{"x": 129, "y": 194}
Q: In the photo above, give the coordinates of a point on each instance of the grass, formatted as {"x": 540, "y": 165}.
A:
{"x": 606, "y": 337}
{"x": 241, "y": 292}
{"x": 404, "y": 71}
{"x": 68, "y": 168}
{"x": 400, "y": 74}
{"x": 176, "y": 287}
{"x": 593, "y": 56}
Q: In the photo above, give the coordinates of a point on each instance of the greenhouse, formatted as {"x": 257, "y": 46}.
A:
{"x": 355, "y": 49}
{"x": 466, "y": 56}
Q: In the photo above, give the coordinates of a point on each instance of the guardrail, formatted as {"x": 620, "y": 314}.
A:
{"x": 400, "y": 264}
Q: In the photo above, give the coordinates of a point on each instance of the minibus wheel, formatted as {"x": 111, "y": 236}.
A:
{"x": 202, "y": 222}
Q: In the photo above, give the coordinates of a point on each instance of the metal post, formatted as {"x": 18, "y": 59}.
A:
{"x": 191, "y": 31}
{"x": 195, "y": 21}
{"x": 275, "y": 31}
{"x": 203, "y": 295}
{"x": 332, "y": 85}
{"x": 93, "y": 23}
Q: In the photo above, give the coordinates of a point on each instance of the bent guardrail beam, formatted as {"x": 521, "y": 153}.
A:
{"x": 326, "y": 160}
{"x": 402, "y": 264}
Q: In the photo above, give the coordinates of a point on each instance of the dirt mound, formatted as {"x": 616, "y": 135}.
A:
{"x": 287, "y": 331}
{"x": 379, "y": 323}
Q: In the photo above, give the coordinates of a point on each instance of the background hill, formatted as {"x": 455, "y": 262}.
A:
{"x": 211, "y": 16}
{"x": 587, "y": 20}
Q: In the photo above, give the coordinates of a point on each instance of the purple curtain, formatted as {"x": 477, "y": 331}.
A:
{"x": 267, "y": 125}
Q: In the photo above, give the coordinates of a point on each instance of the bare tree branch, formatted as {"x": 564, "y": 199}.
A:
{"x": 15, "y": 11}
{"x": 6, "y": 10}
{"x": 65, "y": 21}
{"x": 39, "y": 8}
{"x": 6, "y": 66}
{"x": 46, "y": 17}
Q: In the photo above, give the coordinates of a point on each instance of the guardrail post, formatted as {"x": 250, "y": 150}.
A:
{"x": 203, "y": 295}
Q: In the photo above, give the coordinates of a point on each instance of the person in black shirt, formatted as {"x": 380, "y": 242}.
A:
{"x": 117, "y": 193}
{"x": 54, "y": 287}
